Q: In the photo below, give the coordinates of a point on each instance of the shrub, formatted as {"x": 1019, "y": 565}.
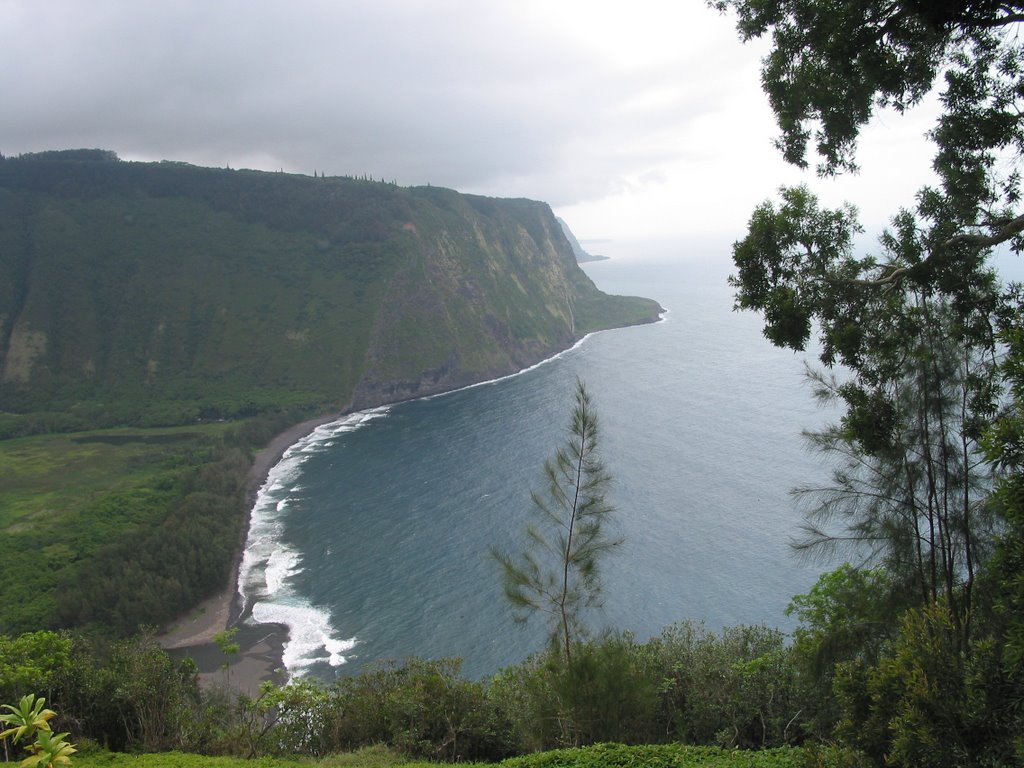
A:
{"x": 424, "y": 708}
{"x": 737, "y": 689}
{"x": 607, "y": 693}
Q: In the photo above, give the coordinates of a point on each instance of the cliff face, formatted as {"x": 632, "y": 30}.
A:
{"x": 162, "y": 291}
{"x": 581, "y": 255}
{"x": 489, "y": 288}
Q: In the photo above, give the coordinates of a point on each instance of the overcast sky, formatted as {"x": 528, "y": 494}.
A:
{"x": 638, "y": 119}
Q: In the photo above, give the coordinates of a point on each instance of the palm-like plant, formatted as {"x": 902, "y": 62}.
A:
{"x": 49, "y": 750}
{"x": 27, "y": 719}
{"x": 31, "y": 720}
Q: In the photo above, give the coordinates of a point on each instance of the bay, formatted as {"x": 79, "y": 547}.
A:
{"x": 371, "y": 539}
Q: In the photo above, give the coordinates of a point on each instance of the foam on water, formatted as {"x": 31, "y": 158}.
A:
{"x": 528, "y": 369}
{"x": 281, "y": 564}
{"x": 268, "y": 563}
{"x": 310, "y": 636}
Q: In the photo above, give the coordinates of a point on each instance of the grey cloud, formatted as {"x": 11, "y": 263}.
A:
{"x": 477, "y": 96}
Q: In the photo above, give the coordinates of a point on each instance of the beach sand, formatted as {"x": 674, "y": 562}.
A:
{"x": 261, "y": 645}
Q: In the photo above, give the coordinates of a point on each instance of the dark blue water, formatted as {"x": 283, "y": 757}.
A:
{"x": 371, "y": 539}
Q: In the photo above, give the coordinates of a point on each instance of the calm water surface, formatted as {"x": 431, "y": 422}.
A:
{"x": 371, "y": 537}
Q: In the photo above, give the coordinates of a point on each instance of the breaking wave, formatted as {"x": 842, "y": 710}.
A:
{"x": 269, "y": 564}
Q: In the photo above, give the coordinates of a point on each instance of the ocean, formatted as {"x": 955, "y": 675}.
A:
{"x": 371, "y": 537}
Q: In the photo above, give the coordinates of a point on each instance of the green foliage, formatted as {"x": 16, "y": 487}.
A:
{"x": 69, "y": 499}
{"x": 600, "y": 312}
{"x": 280, "y": 720}
{"x": 419, "y": 708}
{"x": 129, "y": 694}
{"x": 31, "y": 720}
{"x": 910, "y": 473}
{"x": 25, "y": 720}
{"x": 525, "y": 695}
{"x": 34, "y": 661}
{"x": 134, "y": 526}
{"x": 915, "y": 327}
{"x": 1004, "y": 445}
{"x": 49, "y": 750}
{"x": 926, "y": 702}
{"x": 608, "y": 691}
{"x": 558, "y": 574}
{"x": 848, "y": 615}
{"x": 780, "y": 264}
{"x": 737, "y": 688}
{"x": 166, "y": 274}
{"x": 600, "y": 756}
{"x": 733, "y": 689}
{"x": 423, "y": 708}
{"x": 843, "y": 616}
{"x": 898, "y": 49}
{"x": 377, "y": 758}
{"x": 658, "y": 756}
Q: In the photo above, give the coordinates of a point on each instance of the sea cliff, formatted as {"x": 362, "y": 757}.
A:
{"x": 159, "y": 293}
{"x": 160, "y": 319}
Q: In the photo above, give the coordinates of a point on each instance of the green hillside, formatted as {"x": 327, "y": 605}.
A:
{"x": 136, "y": 298}
{"x": 159, "y": 293}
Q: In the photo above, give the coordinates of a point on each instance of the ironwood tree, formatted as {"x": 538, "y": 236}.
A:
{"x": 557, "y": 573}
{"x": 924, "y": 333}
{"x": 916, "y": 322}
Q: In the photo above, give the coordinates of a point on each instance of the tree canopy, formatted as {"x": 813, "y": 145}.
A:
{"x": 925, "y": 340}
{"x": 832, "y": 66}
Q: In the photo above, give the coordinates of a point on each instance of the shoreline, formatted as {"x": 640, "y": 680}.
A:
{"x": 260, "y": 657}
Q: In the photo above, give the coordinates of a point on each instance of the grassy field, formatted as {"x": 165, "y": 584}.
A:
{"x": 64, "y": 497}
{"x": 599, "y": 756}
{"x": 48, "y": 479}
{"x": 373, "y": 757}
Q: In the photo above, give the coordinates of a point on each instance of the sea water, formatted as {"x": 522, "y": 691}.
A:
{"x": 371, "y": 539}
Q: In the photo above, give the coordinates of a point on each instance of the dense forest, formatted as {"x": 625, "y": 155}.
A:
{"x": 123, "y": 528}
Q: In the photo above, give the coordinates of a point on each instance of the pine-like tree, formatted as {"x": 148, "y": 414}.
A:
{"x": 557, "y": 573}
